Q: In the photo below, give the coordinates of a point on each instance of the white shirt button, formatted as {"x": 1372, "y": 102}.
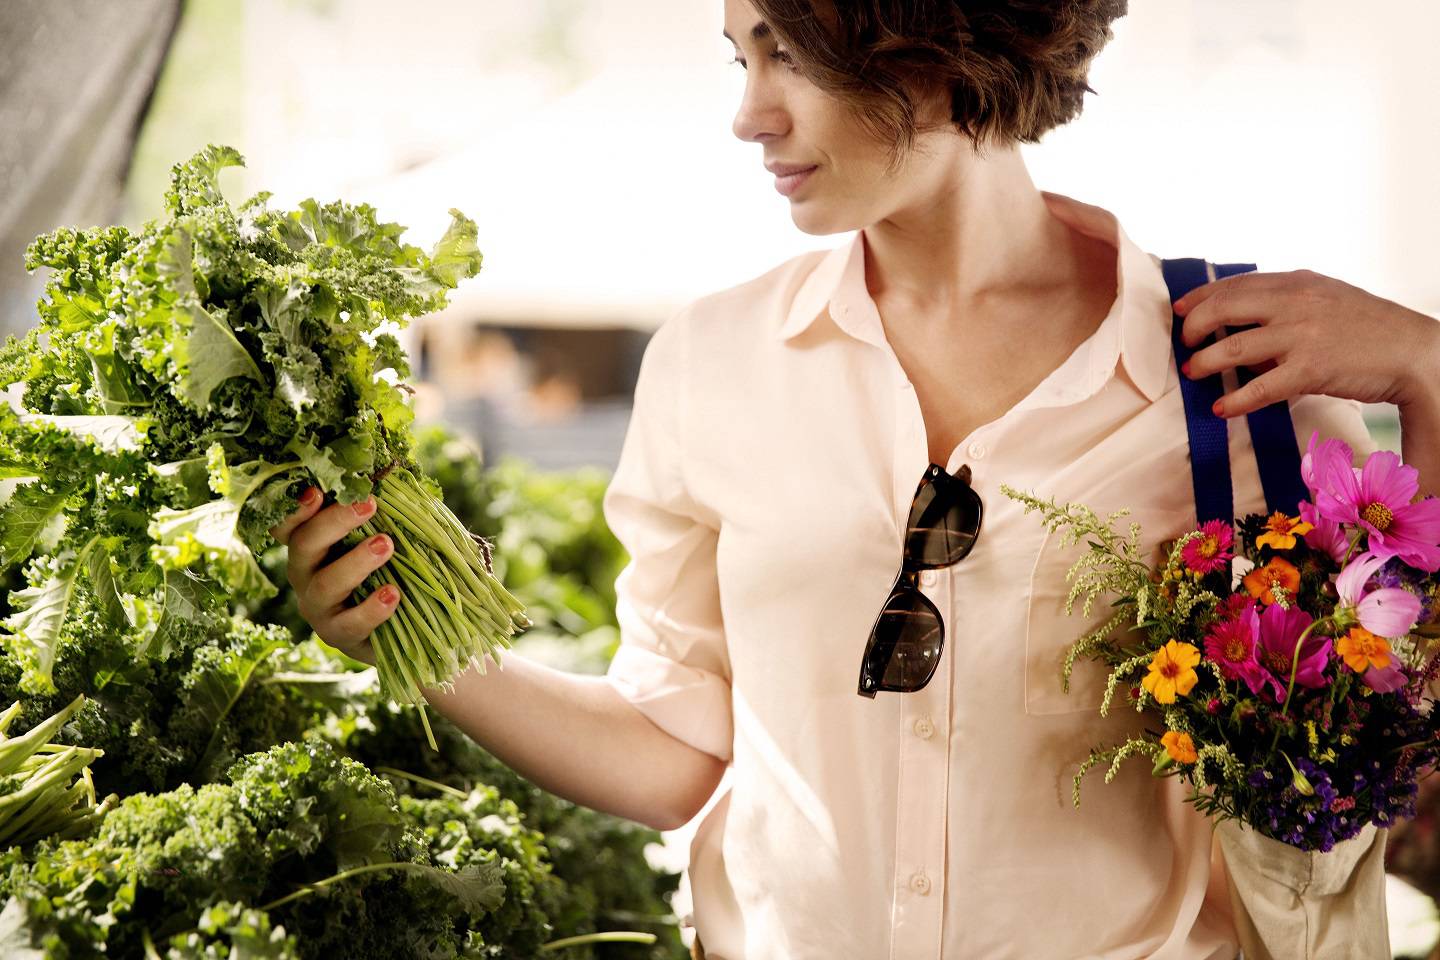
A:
{"x": 977, "y": 450}
{"x": 924, "y": 729}
{"x": 920, "y": 884}
{"x": 927, "y": 577}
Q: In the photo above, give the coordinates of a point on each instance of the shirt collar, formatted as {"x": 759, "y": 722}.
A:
{"x": 1136, "y": 333}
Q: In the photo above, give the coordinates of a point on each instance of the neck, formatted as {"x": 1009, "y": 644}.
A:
{"x": 976, "y": 244}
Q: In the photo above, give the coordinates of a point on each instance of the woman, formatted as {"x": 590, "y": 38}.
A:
{"x": 779, "y": 431}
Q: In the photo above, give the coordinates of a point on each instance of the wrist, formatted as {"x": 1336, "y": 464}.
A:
{"x": 1418, "y": 386}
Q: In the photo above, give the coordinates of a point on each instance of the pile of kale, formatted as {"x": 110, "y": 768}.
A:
{"x": 272, "y": 801}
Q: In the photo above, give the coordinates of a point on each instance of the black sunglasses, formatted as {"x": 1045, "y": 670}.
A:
{"x": 908, "y": 635}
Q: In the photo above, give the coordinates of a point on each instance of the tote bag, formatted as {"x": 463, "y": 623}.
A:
{"x": 1287, "y": 903}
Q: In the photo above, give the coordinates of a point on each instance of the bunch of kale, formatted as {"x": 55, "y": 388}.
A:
{"x": 186, "y": 380}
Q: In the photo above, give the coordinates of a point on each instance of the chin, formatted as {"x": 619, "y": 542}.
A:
{"x": 819, "y": 222}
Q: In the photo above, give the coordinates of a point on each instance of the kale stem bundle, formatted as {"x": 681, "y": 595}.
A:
{"x": 40, "y": 795}
{"x": 453, "y": 612}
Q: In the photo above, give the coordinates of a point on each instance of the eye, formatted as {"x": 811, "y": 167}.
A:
{"x": 781, "y": 55}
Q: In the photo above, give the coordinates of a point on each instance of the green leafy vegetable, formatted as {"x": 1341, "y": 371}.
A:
{"x": 244, "y": 862}
{"x": 189, "y": 377}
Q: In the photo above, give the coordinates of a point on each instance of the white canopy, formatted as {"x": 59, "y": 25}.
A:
{"x": 615, "y": 204}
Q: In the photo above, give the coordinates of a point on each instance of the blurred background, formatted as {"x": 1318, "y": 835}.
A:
{"x": 592, "y": 144}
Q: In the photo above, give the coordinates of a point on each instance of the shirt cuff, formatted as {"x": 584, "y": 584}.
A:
{"x": 690, "y": 704}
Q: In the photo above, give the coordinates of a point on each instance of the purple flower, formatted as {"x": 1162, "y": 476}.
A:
{"x": 1377, "y": 498}
{"x": 1385, "y": 612}
{"x": 1398, "y": 574}
{"x": 1279, "y": 631}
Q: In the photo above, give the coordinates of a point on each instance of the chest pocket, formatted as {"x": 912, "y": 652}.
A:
{"x": 1050, "y": 631}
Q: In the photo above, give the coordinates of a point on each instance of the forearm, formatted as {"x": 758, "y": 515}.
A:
{"x": 575, "y": 736}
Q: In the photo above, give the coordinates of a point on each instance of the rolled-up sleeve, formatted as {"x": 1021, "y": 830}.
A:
{"x": 1333, "y": 417}
{"x": 672, "y": 662}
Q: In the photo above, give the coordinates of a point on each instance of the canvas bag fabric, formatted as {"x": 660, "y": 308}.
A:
{"x": 1287, "y": 903}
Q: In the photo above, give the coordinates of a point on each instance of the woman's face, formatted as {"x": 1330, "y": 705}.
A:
{"x": 801, "y": 126}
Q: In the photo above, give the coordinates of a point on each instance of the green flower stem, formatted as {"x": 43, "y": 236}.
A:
{"x": 1295, "y": 661}
{"x": 1353, "y": 544}
{"x": 1294, "y": 670}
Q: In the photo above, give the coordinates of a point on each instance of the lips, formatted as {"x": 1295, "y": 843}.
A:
{"x": 787, "y": 169}
{"x": 788, "y": 185}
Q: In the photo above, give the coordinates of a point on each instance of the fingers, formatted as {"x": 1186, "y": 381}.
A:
{"x": 310, "y": 502}
{"x": 350, "y": 628}
{"x": 1247, "y": 348}
{"x": 310, "y": 542}
{"x": 333, "y": 583}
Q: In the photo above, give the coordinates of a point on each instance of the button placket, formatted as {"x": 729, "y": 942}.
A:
{"x": 922, "y": 814}
{"x": 923, "y": 760}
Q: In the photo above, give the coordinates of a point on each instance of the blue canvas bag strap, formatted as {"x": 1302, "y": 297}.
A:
{"x": 1272, "y": 432}
{"x": 1209, "y": 434}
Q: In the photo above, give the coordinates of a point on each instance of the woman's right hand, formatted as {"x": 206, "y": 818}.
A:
{"x": 322, "y": 592}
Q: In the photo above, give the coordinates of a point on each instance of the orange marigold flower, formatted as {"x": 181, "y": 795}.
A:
{"x": 1361, "y": 649}
{"x": 1180, "y": 747}
{"x": 1172, "y": 671}
{"x": 1279, "y": 572}
{"x": 1281, "y": 531}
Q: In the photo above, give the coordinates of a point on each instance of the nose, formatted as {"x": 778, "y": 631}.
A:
{"x": 761, "y": 112}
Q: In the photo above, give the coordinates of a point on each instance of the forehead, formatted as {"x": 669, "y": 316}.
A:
{"x": 743, "y": 24}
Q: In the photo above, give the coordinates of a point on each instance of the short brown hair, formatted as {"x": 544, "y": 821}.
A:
{"x": 1014, "y": 69}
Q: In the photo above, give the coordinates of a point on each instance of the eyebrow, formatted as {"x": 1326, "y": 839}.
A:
{"x": 760, "y": 31}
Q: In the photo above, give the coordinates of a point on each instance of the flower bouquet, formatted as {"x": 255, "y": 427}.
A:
{"x": 1283, "y": 663}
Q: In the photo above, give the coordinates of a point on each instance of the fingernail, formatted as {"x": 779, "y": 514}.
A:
{"x": 1217, "y": 406}
{"x": 364, "y": 508}
{"x": 309, "y": 496}
{"x": 388, "y": 595}
{"x": 1185, "y": 368}
{"x": 380, "y": 545}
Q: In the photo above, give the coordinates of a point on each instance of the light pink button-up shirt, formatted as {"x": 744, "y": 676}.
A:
{"x": 762, "y": 492}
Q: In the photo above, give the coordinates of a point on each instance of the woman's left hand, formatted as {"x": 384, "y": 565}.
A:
{"x": 1315, "y": 334}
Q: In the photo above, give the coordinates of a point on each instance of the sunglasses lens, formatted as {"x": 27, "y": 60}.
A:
{"x": 905, "y": 644}
{"x": 944, "y": 522}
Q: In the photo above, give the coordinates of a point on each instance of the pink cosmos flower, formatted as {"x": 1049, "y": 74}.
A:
{"x": 1386, "y": 612}
{"x": 1328, "y": 535}
{"x": 1232, "y": 645}
{"x": 1377, "y": 498}
{"x": 1279, "y": 630}
{"x": 1385, "y": 679}
{"x": 1210, "y": 551}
